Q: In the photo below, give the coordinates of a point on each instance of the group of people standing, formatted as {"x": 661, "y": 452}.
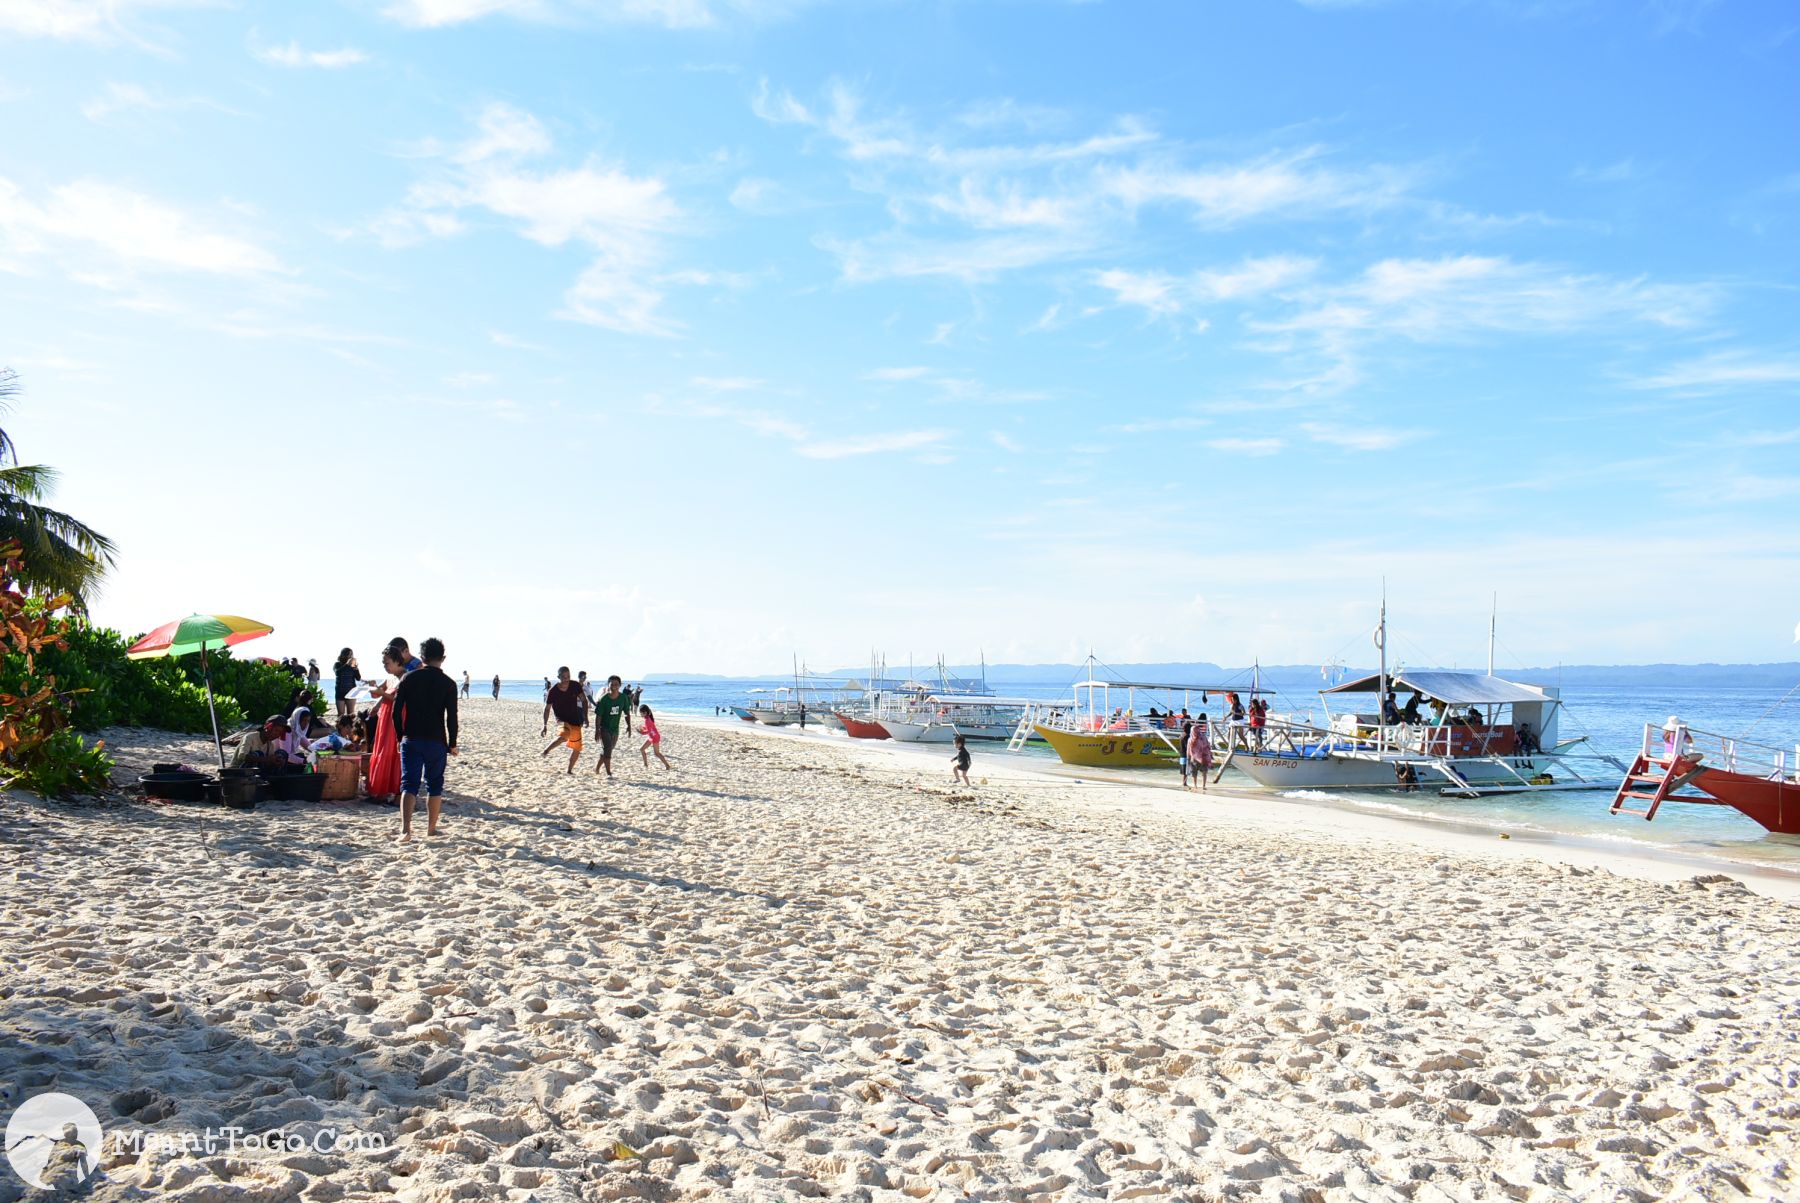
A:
{"x": 570, "y": 701}
{"x": 411, "y": 730}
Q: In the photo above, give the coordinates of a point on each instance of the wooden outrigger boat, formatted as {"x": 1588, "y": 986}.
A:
{"x": 1096, "y": 735}
{"x": 1488, "y": 736}
{"x": 860, "y": 728}
{"x": 1756, "y": 780}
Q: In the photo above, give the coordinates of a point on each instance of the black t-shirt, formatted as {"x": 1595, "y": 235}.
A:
{"x": 566, "y": 704}
{"x": 346, "y": 679}
{"x": 425, "y": 706}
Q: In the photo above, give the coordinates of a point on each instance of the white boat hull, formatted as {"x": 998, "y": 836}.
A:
{"x": 1374, "y": 771}
{"x": 919, "y": 733}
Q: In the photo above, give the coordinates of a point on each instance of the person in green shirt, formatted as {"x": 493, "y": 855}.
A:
{"x": 612, "y": 706}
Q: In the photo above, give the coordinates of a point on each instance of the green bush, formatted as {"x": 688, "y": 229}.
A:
{"x": 61, "y": 765}
{"x": 169, "y": 694}
{"x": 259, "y": 689}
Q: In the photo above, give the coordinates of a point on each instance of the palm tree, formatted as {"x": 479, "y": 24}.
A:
{"x": 62, "y": 554}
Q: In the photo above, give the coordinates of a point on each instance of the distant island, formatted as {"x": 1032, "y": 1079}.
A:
{"x": 1779, "y": 675}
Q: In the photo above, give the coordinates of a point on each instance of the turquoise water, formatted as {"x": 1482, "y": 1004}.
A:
{"x": 1611, "y": 717}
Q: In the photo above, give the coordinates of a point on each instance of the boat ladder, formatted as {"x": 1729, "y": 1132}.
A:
{"x": 1022, "y": 733}
{"x": 1655, "y": 780}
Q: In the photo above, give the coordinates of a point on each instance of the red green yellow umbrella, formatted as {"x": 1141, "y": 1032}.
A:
{"x": 197, "y": 633}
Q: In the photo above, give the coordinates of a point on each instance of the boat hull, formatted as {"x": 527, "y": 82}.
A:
{"x": 857, "y": 728}
{"x": 919, "y": 733}
{"x": 743, "y": 712}
{"x": 1774, "y": 804}
{"x": 1108, "y": 749}
{"x": 1375, "y": 772}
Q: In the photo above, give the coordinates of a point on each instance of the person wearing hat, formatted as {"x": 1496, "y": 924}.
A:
{"x": 265, "y": 747}
{"x": 1675, "y": 738}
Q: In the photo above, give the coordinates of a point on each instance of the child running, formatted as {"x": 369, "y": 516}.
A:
{"x": 652, "y": 738}
{"x": 959, "y": 763}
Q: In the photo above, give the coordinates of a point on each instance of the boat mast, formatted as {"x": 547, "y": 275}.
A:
{"x": 1381, "y": 700}
{"x": 1493, "y": 618}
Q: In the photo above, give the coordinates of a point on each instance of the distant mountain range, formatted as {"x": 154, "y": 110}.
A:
{"x": 1782, "y": 675}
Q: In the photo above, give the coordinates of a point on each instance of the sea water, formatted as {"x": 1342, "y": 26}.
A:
{"x": 1612, "y": 717}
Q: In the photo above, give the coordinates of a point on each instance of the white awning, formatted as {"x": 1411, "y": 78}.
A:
{"x": 1456, "y": 689}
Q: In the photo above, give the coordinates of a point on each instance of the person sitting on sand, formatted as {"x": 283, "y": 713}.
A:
{"x": 343, "y": 739}
{"x": 653, "y": 737}
{"x": 564, "y": 700}
{"x": 265, "y": 747}
{"x": 959, "y": 763}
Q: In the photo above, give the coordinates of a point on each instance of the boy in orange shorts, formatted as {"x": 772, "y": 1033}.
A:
{"x": 567, "y": 702}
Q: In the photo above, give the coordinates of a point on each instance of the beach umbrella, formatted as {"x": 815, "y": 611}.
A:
{"x": 197, "y": 633}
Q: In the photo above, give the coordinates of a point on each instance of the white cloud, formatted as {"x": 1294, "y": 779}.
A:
{"x": 1005, "y": 442}
{"x": 1251, "y": 447}
{"x": 128, "y": 227}
{"x": 674, "y": 14}
{"x": 728, "y": 384}
{"x": 1459, "y": 297}
{"x": 78, "y": 20}
{"x": 965, "y": 202}
{"x": 501, "y": 338}
{"x": 1726, "y": 370}
{"x": 1151, "y": 291}
{"x": 1163, "y": 295}
{"x": 1156, "y": 425}
{"x": 126, "y": 97}
{"x": 292, "y": 55}
{"x": 1359, "y": 438}
{"x": 1294, "y": 184}
{"x": 620, "y": 218}
{"x": 891, "y": 374}
{"x": 873, "y": 444}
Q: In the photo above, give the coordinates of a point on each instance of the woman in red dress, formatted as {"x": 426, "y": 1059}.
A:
{"x": 384, "y": 760}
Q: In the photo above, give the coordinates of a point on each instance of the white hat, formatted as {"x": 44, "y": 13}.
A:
{"x": 1672, "y": 724}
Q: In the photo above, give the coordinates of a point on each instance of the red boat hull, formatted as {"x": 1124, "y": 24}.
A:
{"x": 1774, "y": 804}
{"x": 858, "y": 729}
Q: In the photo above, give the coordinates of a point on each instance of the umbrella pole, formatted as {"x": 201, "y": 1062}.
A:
{"x": 206, "y": 674}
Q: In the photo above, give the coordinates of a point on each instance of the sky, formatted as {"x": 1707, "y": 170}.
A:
{"x": 701, "y": 335}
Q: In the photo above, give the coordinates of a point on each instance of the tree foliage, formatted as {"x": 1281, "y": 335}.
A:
{"x": 61, "y": 554}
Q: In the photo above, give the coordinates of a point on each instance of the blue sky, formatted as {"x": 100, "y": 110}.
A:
{"x": 696, "y": 334}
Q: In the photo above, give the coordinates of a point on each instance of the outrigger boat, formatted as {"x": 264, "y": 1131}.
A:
{"x": 1489, "y": 736}
{"x": 1756, "y": 780}
{"x": 937, "y": 719}
{"x": 1095, "y": 735}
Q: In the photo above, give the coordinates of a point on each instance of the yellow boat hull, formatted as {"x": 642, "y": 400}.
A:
{"x": 1109, "y": 749}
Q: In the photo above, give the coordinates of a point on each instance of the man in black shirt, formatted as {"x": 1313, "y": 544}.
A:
{"x": 425, "y": 721}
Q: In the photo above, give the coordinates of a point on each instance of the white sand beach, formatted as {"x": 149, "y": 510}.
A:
{"x": 799, "y": 968}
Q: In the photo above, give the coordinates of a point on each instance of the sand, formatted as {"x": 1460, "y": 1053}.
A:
{"x": 801, "y": 968}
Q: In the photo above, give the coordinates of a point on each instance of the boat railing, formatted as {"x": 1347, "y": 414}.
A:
{"x": 1446, "y": 742}
{"x": 1663, "y": 743}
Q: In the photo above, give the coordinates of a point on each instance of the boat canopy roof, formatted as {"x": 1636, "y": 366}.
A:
{"x": 1454, "y": 689}
{"x": 1096, "y": 682}
{"x": 963, "y": 699}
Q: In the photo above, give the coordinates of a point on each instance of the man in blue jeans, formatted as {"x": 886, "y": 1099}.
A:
{"x": 425, "y": 720}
